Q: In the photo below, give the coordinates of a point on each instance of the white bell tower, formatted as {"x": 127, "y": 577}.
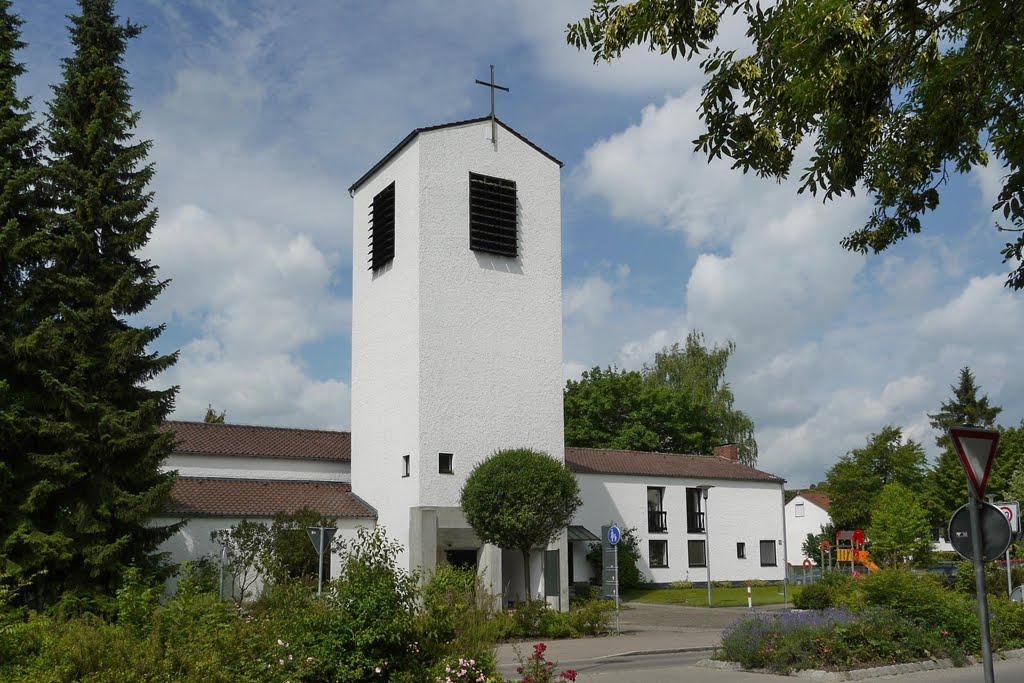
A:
{"x": 456, "y": 334}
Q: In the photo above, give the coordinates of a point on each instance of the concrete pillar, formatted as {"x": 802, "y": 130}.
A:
{"x": 489, "y": 568}
{"x": 423, "y": 540}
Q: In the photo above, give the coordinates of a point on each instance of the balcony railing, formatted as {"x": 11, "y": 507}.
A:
{"x": 657, "y": 521}
{"x": 695, "y": 522}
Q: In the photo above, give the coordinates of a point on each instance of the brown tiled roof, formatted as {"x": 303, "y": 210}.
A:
{"x": 608, "y": 461}
{"x": 209, "y": 497}
{"x": 819, "y": 499}
{"x": 273, "y": 442}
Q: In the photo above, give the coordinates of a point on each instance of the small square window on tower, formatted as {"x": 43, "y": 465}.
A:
{"x": 382, "y": 228}
{"x": 444, "y": 463}
{"x": 492, "y": 215}
{"x": 405, "y": 465}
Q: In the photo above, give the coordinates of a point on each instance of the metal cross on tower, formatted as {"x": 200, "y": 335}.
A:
{"x": 493, "y": 87}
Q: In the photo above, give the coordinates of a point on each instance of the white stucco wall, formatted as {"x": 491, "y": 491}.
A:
{"x": 797, "y": 528}
{"x": 385, "y": 353}
{"x": 250, "y": 467}
{"x": 193, "y": 540}
{"x": 739, "y": 512}
{"x": 453, "y": 351}
{"x": 490, "y": 326}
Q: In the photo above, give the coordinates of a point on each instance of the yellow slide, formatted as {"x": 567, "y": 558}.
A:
{"x": 865, "y": 559}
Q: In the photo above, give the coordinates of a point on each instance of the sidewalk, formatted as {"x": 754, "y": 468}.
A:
{"x": 643, "y": 629}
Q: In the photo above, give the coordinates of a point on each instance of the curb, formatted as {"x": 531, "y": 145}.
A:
{"x": 860, "y": 674}
{"x": 664, "y": 651}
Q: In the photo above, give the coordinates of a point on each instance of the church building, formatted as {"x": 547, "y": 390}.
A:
{"x": 457, "y": 353}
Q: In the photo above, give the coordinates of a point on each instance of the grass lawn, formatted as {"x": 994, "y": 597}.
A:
{"x": 720, "y": 597}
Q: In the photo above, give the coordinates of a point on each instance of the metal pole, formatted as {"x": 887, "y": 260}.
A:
{"x": 785, "y": 551}
{"x": 223, "y": 553}
{"x": 979, "y": 581}
{"x": 1009, "y": 573}
{"x": 707, "y": 541}
{"x": 616, "y": 565}
{"x": 494, "y": 126}
{"x": 320, "y": 563}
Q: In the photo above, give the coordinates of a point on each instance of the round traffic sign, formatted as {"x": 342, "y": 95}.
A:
{"x": 807, "y": 564}
{"x": 995, "y": 532}
{"x": 825, "y": 546}
{"x": 614, "y": 535}
{"x": 1017, "y": 595}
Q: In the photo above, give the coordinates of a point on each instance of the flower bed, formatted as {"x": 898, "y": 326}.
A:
{"x": 831, "y": 639}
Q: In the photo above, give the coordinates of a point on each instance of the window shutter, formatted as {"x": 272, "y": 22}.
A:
{"x": 382, "y": 228}
{"x": 492, "y": 215}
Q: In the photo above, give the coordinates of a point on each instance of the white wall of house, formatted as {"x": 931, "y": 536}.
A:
{"x": 252, "y": 467}
{"x": 802, "y": 517}
{"x": 746, "y": 512}
{"x": 193, "y": 540}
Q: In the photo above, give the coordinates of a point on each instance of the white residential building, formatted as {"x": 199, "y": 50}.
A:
{"x": 659, "y": 495}
{"x": 806, "y": 513}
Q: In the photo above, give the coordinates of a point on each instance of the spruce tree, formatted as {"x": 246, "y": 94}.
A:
{"x": 97, "y": 478}
{"x": 947, "y": 489}
{"x": 21, "y": 229}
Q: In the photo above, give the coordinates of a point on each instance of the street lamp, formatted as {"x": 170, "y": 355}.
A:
{"x": 704, "y": 488}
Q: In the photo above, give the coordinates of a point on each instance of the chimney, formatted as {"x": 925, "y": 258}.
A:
{"x": 727, "y": 451}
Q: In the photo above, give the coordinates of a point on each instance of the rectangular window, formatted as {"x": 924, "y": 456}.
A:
{"x": 768, "y": 554}
{"x": 799, "y": 508}
{"x": 444, "y": 463}
{"x": 382, "y": 228}
{"x": 695, "y": 554}
{"x": 492, "y": 215}
{"x": 657, "y": 552}
{"x": 405, "y": 465}
{"x": 741, "y": 551}
{"x": 694, "y": 513}
{"x": 657, "y": 518}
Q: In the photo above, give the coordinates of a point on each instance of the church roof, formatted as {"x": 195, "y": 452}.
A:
{"x": 214, "y": 497}
{"x": 611, "y": 461}
{"x": 412, "y": 136}
{"x": 272, "y": 442}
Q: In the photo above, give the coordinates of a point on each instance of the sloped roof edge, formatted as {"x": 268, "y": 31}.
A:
{"x": 454, "y": 124}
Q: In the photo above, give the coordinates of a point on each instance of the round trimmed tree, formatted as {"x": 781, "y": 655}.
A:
{"x": 520, "y": 499}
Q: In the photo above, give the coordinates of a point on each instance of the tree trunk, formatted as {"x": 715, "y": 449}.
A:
{"x": 526, "y": 574}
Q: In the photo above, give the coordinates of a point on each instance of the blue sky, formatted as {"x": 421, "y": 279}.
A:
{"x": 262, "y": 114}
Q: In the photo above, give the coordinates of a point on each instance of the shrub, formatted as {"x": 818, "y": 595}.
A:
{"x": 461, "y": 670}
{"x": 534, "y": 619}
{"x": 1007, "y": 620}
{"x": 833, "y": 590}
{"x": 681, "y": 585}
{"x": 721, "y": 584}
{"x": 198, "y": 576}
{"x": 137, "y": 599}
{"x": 458, "y": 615}
{"x": 922, "y": 599}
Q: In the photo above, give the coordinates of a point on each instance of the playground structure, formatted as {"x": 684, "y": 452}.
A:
{"x": 850, "y": 550}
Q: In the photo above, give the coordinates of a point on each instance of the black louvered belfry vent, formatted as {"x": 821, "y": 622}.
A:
{"x": 382, "y": 228}
{"x": 492, "y": 215}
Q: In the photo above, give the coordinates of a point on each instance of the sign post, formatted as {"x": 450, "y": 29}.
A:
{"x": 320, "y": 537}
{"x": 976, "y": 449}
{"x": 610, "y": 537}
{"x": 1010, "y": 510}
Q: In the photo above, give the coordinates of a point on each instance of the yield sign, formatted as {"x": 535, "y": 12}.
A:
{"x": 976, "y": 449}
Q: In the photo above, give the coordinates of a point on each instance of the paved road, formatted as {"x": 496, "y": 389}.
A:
{"x": 673, "y": 668}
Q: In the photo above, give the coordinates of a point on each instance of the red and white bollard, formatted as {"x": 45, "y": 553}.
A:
{"x": 750, "y": 597}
